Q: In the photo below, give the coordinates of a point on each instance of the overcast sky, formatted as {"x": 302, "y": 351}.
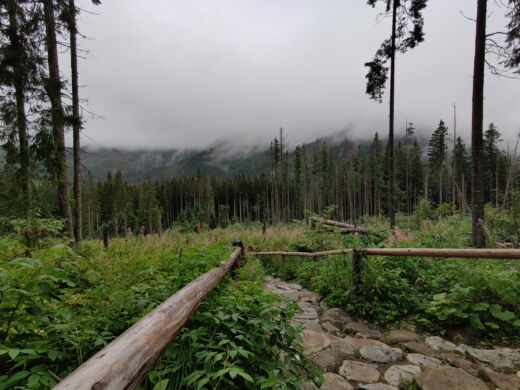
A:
{"x": 185, "y": 73}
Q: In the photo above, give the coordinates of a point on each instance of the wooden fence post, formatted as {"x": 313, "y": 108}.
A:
{"x": 357, "y": 258}
{"x": 106, "y": 238}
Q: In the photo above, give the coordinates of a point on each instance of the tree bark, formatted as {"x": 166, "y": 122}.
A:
{"x": 477, "y": 120}
{"x": 19, "y": 87}
{"x": 58, "y": 121}
{"x": 391, "y": 163}
{"x": 76, "y": 121}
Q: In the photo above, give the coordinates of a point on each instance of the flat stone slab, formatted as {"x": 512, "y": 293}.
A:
{"x": 459, "y": 362}
{"x": 336, "y": 317}
{"x": 357, "y": 342}
{"x": 422, "y": 360}
{"x": 362, "y": 330}
{"x": 502, "y": 381}
{"x": 449, "y": 378}
{"x": 401, "y": 336}
{"x": 418, "y": 347}
{"x": 330, "y": 359}
{"x": 498, "y": 359}
{"x": 308, "y": 312}
{"x": 314, "y": 326}
{"x": 439, "y": 344}
{"x": 377, "y": 386}
{"x": 395, "y": 374}
{"x": 381, "y": 354}
{"x": 333, "y": 381}
{"x": 331, "y": 328}
{"x": 359, "y": 371}
{"x": 314, "y": 341}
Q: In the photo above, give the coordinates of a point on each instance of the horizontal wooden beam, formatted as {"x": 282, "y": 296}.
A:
{"x": 414, "y": 252}
{"x": 124, "y": 362}
{"x": 305, "y": 254}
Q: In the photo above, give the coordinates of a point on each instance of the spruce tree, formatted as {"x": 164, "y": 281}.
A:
{"x": 406, "y": 33}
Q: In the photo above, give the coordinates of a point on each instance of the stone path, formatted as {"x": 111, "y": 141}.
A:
{"x": 357, "y": 355}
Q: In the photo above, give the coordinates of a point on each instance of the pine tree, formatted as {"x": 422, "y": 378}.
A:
{"x": 401, "y": 39}
{"x": 437, "y": 151}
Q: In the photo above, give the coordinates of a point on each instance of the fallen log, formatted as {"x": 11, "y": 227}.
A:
{"x": 347, "y": 228}
{"x": 124, "y": 362}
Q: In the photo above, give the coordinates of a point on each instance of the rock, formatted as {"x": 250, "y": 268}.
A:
{"x": 314, "y": 326}
{"x": 357, "y": 343}
{"x": 284, "y": 286}
{"x": 380, "y": 354}
{"x": 308, "y": 296}
{"x": 416, "y": 347}
{"x": 422, "y": 360}
{"x": 395, "y": 374}
{"x": 342, "y": 346}
{"x": 377, "y": 386}
{"x": 502, "y": 381}
{"x": 449, "y": 378}
{"x": 331, "y": 358}
{"x": 498, "y": 359}
{"x": 401, "y": 336}
{"x": 457, "y": 336}
{"x": 333, "y": 381}
{"x": 359, "y": 372}
{"x": 363, "y": 330}
{"x": 324, "y": 306}
{"x": 439, "y": 344}
{"x": 459, "y": 362}
{"x": 336, "y": 317}
{"x": 309, "y": 386}
{"x": 307, "y": 312}
{"x": 314, "y": 341}
{"x": 294, "y": 286}
{"x": 330, "y": 328}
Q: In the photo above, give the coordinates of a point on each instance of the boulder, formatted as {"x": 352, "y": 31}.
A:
{"x": 395, "y": 374}
{"x": 418, "y": 347}
{"x": 336, "y": 317}
{"x": 449, "y": 378}
{"x": 502, "y": 381}
{"x": 359, "y": 371}
{"x": 357, "y": 342}
{"x": 314, "y": 341}
{"x": 330, "y": 359}
{"x": 362, "y": 330}
{"x": 314, "y": 326}
{"x": 333, "y": 381}
{"x": 422, "y": 360}
{"x": 401, "y": 336}
{"x": 377, "y": 386}
{"x": 380, "y": 354}
{"x": 439, "y": 344}
{"x": 498, "y": 359}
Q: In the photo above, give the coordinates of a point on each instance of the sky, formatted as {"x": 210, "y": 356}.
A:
{"x": 163, "y": 74}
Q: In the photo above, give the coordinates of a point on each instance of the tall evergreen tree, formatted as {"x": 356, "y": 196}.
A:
{"x": 54, "y": 90}
{"x": 437, "y": 152}
{"x": 402, "y": 38}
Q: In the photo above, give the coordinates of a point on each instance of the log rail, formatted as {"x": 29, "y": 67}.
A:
{"x": 124, "y": 362}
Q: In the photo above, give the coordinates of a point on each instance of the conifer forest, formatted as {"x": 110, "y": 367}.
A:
{"x": 260, "y": 195}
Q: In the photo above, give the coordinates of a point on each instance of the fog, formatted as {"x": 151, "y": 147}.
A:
{"x": 187, "y": 73}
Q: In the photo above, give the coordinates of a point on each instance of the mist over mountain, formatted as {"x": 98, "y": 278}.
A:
{"x": 224, "y": 158}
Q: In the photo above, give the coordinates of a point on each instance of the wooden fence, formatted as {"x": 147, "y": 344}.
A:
{"x": 124, "y": 362}
{"x": 357, "y": 255}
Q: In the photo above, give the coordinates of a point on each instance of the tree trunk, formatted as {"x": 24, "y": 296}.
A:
{"x": 391, "y": 166}
{"x": 54, "y": 91}
{"x": 76, "y": 121}
{"x": 477, "y": 119}
{"x": 19, "y": 86}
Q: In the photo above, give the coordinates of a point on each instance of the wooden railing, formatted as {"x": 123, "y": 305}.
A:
{"x": 357, "y": 256}
{"x": 124, "y": 362}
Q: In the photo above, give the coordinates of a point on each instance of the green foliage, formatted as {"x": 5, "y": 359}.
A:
{"x": 34, "y": 230}
{"x": 240, "y": 339}
{"x": 60, "y": 306}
